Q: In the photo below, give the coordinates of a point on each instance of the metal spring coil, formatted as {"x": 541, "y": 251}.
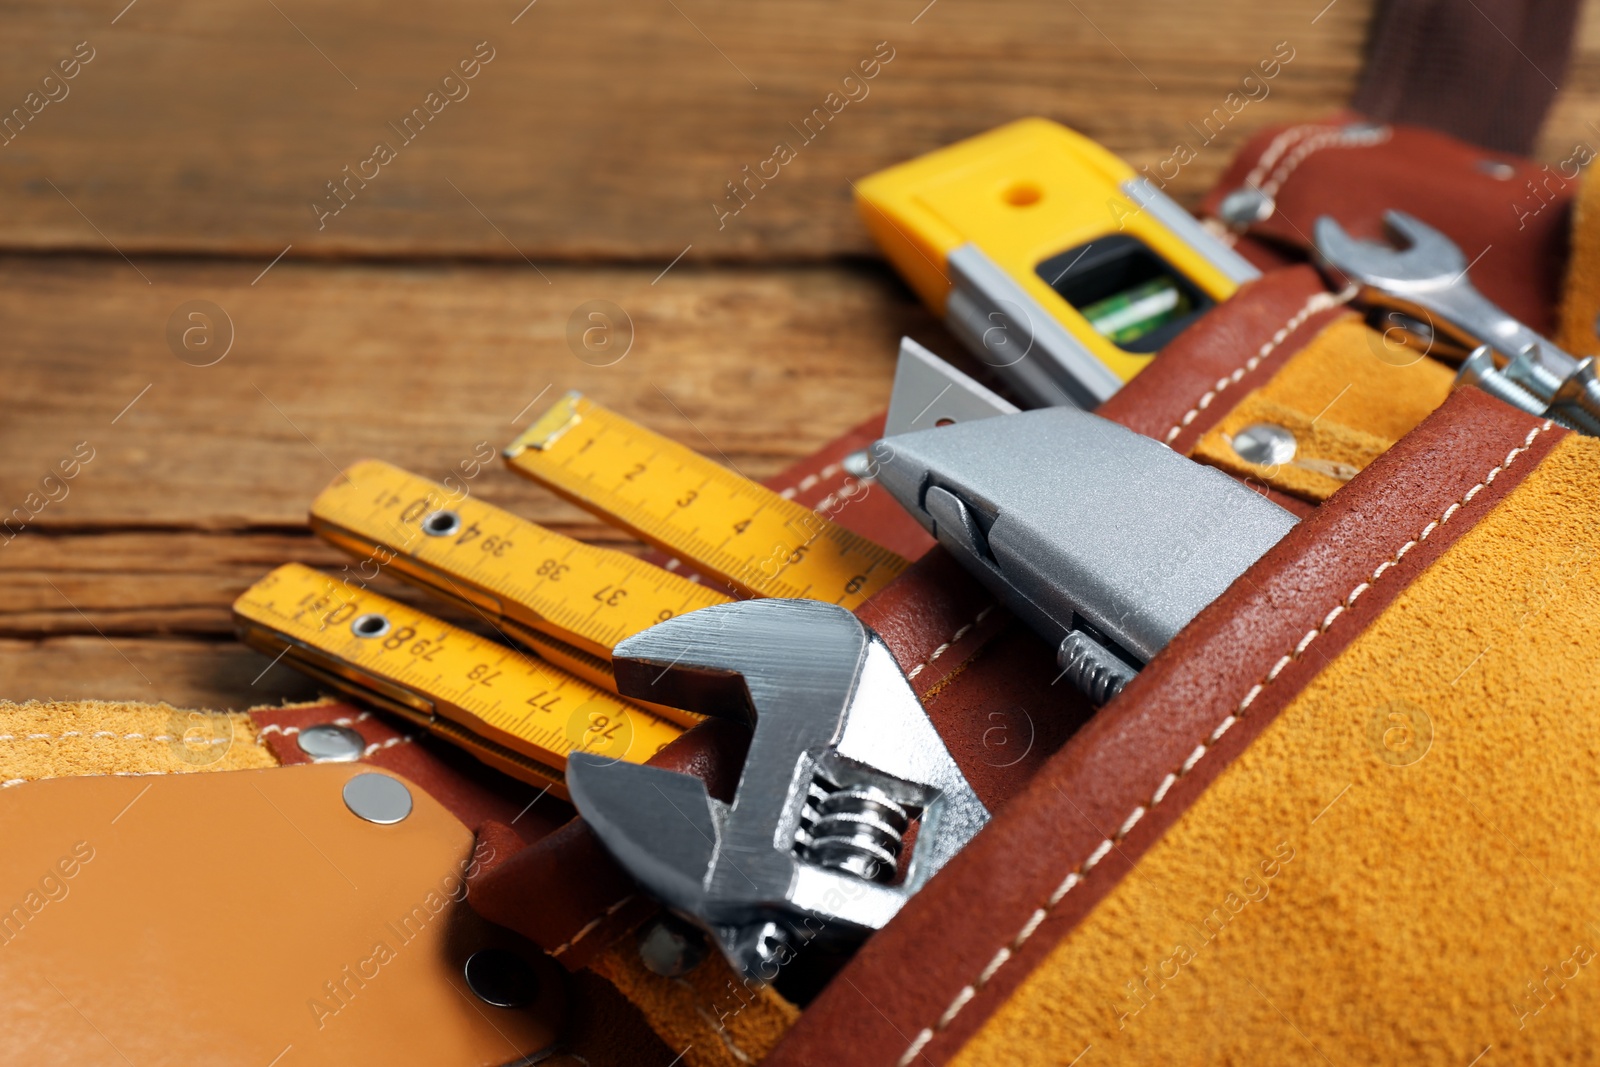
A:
{"x": 1091, "y": 668}
{"x": 857, "y": 829}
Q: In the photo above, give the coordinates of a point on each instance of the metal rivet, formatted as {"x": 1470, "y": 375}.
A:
{"x": 378, "y": 798}
{"x": 671, "y": 948}
{"x": 501, "y": 978}
{"x": 1497, "y": 170}
{"x": 328, "y": 743}
{"x": 441, "y": 523}
{"x": 1264, "y": 443}
{"x": 1246, "y": 205}
{"x": 857, "y": 464}
{"x": 370, "y": 625}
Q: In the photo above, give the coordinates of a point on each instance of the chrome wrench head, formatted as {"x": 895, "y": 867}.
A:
{"x": 842, "y": 759}
{"x": 1430, "y": 262}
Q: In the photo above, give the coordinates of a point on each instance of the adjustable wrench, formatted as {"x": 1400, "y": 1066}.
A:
{"x": 843, "y": 759}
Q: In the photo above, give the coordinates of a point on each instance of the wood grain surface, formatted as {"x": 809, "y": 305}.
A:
{"x": 587, "y": 159}
{"x": 602, "y": 129}
{"x": 199, "y": 478}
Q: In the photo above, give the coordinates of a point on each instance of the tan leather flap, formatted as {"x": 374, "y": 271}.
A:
{"x": 247, "y": 917}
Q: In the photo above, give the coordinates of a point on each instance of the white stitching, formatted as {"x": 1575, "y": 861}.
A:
{"x": 588, "y": 928}
{"x": 966, "y": 994}
{"x": 1317, "y": 302}
{"x": 1333, "y": 138}
{"x": 716, "y": 1025}
{"x": 942, "y": 649}
{"x": 290, "y": 731}
{"x": 995, "y": 964}
{"x": 1275, "y": 150}
{"x": 810, "y": 480}
{"x": 274, "y": 728}
{"x": 158, "y": 738}
{"x": 1106, "y": 845}
{"x": 376, "y": 746}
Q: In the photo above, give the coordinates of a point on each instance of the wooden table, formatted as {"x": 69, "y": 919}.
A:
{"x": 586, "y": 158}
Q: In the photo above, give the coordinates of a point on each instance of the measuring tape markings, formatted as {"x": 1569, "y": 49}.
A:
{"x": 599, "y": 461}
{"x": 583, "y": 595}
{"x": 478, "y": 555}
{"x": 457, "y": 674}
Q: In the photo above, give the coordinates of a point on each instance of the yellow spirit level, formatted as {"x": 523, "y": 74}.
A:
{"x": 1049, "y": 257}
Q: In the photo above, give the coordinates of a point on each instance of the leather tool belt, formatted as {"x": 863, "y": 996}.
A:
{"x": 1332, "y": 819}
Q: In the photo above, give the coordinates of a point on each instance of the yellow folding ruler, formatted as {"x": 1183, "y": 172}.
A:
{"x": 568, "y": 601}
{"x": 674, "y": 498}
{"x": 511, "y": 710}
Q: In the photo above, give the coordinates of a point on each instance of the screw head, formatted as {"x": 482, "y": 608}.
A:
{"x": 671, "y": 947}
{"x": 1264, "y": 443}
{"x": 330, "y": 743}
{"x": 1363, "y": 129}
{"x": 1246, "y": 205}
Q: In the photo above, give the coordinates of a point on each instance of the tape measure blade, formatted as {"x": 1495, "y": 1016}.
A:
{"x": 532, "y": 707}
{"x": 494, "y": 562}
{"x": 684, "y": 504}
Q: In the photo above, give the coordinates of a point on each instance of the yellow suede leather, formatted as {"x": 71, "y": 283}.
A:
{"x": 60, "y": 738}
{"x": 1345, "y": 397}
{"x": 1350, "y": 891}
{"x": 712, "y": 1013}
{"x": 1580, "y": 296}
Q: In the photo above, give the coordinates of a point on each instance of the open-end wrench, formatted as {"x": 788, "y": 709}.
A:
{"x": 1428, "y": 280}
{"x": 843, "y": 760}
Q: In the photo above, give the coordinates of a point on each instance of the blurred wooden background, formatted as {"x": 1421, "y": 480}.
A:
{"x": 581, "y": 162}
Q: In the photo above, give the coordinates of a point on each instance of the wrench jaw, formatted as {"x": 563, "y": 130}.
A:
{"x": 843, "y": 759}
{"x": 1418, "y": 280}
{"x": 1428, "y": 262}
{"x": 668, "y": 843}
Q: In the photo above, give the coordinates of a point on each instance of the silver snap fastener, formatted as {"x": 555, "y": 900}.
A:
{"x": 1497, "y": 170}
{"x": 328, "y": 743}
{"x": 1246, "y": 205}
{"x": 370, "y": 625}
{"x": 441, "y": 523}
{"x": 501, "y": 978}
{"x": 378, "y": 798}
{"x": 1264, "y": 443}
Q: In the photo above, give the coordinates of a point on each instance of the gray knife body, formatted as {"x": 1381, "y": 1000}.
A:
{"x": 1103, "y": 540}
